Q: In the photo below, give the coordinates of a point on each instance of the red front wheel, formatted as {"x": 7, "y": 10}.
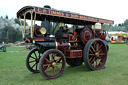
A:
{"x": 52, "y": 64}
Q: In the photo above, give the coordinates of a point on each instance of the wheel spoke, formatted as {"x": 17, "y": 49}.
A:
{"x": 51, "y": 57}
{"x": 54, "y": 56}
{"x": 100, "y": 47}
{"x": 94, "y": 45}
{"x": 32, "y": 61}
{"x": 90, "y": 50}
{"x": 35, "y": 54}
{"x": 102, "y": 54}
{"x": 58, "y": 68}
{"x": 100, "y": 57}
{"x": 93, "y": 49}
{"x": 33, "y": 65}
{"x": 58, "y": 59}
{"x": 54, "y": 71}
{"x": 100, "y": 50}
{"x": 99, "y": 62}
{"x": 46, "y": 65}
{"x": 92, "y": 60}
{"x": 47, "y": 68}
{"x": 51, "y": 71}
{"x": 33, "y": 57}
{"x": 91, "y": 54}
{"x": 97, "y": 46}
{"x": 47, "y": 60}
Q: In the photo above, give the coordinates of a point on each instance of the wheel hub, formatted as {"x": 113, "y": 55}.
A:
{"x": 87, "y": 36}
{"x": 97, "y": 54}
{"x": 54, "y": 64}
{"x": 37, "y": 60}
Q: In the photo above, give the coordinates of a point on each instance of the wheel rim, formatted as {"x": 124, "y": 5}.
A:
{"x": 52, "y": 64}
{"x": 96, "y": 55}
{"x": 32, "y": 61}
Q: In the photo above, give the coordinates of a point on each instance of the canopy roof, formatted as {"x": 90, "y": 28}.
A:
{"x": 59, "y": 16}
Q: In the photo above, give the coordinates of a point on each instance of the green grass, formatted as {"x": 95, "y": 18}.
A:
{"x": 14, "y": 72}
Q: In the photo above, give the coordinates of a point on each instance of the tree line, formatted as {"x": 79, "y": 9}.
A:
{"x": 117, "y": 27}
{"x": 10, "y": 31}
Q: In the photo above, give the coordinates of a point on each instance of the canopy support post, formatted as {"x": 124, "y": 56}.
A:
{"x": 101, "y": 28}
{"x": 31, "y": 25}
{"x": 21, "y": 28}
{"x": 94, "y": 30}
{"x": 47, "y": 24}
{"x": 24, "y": 26}
{"x": 108, "y": 29}
{"x": 34, "y": 22}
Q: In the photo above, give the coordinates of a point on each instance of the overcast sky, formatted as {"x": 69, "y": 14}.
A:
{"x": 116, "y": 10}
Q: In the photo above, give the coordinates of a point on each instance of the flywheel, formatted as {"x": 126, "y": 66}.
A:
{"x": 87, "y": 34}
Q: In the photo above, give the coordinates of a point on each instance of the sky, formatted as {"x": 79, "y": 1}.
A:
{"x": 115, "y": 10}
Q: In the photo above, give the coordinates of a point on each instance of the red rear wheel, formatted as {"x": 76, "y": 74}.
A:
{"x": 95, "y": 54}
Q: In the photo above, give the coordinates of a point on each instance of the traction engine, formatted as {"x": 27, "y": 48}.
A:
{"x": 57, "y": 46}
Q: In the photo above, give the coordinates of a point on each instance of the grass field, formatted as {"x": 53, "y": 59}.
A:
{"x": 14, "y": 72}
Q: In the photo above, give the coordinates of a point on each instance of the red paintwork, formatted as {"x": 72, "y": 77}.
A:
{"x": 86, "y": 35}
{"x": 62, "y": 46}
{"x": 102, "y": 37}
{"x": 73, "y": 53}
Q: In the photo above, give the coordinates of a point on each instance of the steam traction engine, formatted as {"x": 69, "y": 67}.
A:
{"x": 58, "y": 45}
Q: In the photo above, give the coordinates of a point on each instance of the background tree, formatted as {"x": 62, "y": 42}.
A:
{"x": 125, "y": 24}
{"x": 6, "y": 17}
{"x": 106, "y": 27}
{"x": 18, "y": 22}
{"x": 1, "y": 17}
{"x": 9, "y": 33}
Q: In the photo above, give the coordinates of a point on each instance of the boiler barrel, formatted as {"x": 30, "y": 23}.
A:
{"x": 54, "y": 44}
{"x": 47, "y": 44}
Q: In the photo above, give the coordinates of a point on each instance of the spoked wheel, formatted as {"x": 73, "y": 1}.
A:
{"x": 52, "y": 64}
{"x": 32, "y": 60}
{"x": 74, "y": 61}
{"x": 95, "y": 54}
